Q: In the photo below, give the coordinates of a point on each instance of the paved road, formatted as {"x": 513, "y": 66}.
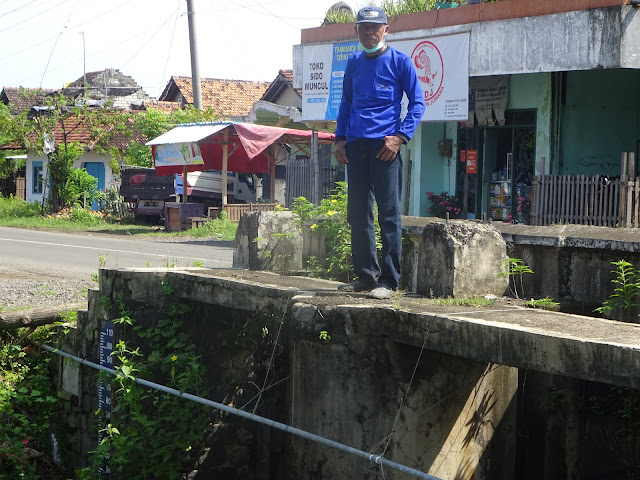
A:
{"x": 72, "y": 255}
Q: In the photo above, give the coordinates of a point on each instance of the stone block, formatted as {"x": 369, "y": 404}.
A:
{"x": 460, "y": 259}
{"x": 268, "y": 241}
{"x": 71, "y": 377}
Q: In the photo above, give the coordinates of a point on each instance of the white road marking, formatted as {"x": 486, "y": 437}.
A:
{"x": 109, "y": 250}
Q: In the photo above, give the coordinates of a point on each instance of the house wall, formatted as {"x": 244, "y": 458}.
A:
{"x": 533, "y": 91}
{"x": 290, "y": 98}
{"x": 600, "y": 119}
{"x": 110, "y": 180}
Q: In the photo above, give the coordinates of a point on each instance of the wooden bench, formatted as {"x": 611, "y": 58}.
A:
{"x": 194, "y": 222}
{"x": 236, "y": 210}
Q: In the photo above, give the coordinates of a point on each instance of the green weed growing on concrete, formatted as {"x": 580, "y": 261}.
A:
{"x": 29, "y": 409}
{"x": 329, "y": 219}
{"x": 545, "y": 303}
{"x": 515, "y": 271}
{"x": 324, "y": 335}
{"x": 149, "y": 424}
{"x": 461, "y": 301}
{"x": 625, "y": 295}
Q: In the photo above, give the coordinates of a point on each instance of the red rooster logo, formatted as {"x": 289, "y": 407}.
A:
{"x": 423, "y": 62}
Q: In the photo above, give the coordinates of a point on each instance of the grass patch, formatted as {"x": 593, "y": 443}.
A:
{"x": 15, "y": 212}
{"x": 543, "y": 303}
{"x": 461, "y": 302}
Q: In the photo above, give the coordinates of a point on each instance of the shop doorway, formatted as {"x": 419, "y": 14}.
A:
{"x": 500, "y": 187}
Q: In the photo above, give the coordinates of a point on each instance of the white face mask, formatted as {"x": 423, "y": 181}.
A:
{"x": 374, "y": 49}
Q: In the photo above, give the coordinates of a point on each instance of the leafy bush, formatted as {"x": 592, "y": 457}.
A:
{"x": 29, "y": 413}
{"x": 86, "y": 217}
{"x": 330, "y": 219}
{"x": 80, "y": 182}
{"x": 444, "y": 203}
{"x": 13, "y": 207}
{"x": 625, "y": 296}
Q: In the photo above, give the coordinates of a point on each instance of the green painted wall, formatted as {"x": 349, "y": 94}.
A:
{"x": 437, "y": 174}
{"x": 533, "y": 91}
{"x": 599, "y": 121}
{"x": 434, "y": 174}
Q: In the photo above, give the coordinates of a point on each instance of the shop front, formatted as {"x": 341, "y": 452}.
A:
{"x": 496, "y": 167}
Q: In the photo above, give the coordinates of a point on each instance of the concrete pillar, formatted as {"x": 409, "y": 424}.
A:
{"x": 460, "y": 259}
{"x": 268, "y": 241}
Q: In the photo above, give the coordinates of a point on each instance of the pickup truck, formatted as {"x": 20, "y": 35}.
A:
{"x": 148, "y": 191}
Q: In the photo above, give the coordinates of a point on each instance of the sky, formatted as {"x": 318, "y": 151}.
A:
{"x": 49, "y": 43}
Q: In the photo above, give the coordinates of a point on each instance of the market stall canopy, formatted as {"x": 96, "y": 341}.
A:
{"x": 200, "y": 146}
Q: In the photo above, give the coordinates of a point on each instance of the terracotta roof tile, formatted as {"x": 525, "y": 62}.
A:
{"x": 163, "y": 106}
{"x": 19, "y": 99}
{"x": 229, "y": 98}
{"x": 80, "y": 132}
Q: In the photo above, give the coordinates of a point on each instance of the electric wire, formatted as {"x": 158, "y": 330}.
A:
{"x": 273, "y": 354}
{"x": 376, "y": 459}
{"x": 99, "y": 51}
{"x": 34, "y": 16}
{"x": 49, "y": 61}
{"x": 269, "y": 13}
{"x": 166, "y": 64}
{"x": 16, "y": 9}
{"x": 150, "y": 38}
{"x": 413, "y": 374}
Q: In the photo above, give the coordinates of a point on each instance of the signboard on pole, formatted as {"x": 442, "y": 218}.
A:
{"x": 472, "y": 161}
{"x": 178, "y": 154}
{"x": 442, "y": 64}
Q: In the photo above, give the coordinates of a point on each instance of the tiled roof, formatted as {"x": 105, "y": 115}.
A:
{"x": 281, "y": 82}
{"x": 80, "y": 132}
{"x": 108, "y": 78}
{"x": 20, "y": 99}
{"x": 229, "y": 98}
{"x": 166, "y": 107}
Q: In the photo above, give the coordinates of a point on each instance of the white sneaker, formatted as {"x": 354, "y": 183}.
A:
{"x": 380, "y": 293}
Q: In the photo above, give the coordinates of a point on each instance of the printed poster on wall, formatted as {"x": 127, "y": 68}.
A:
{"x": 178, "y": 154}
{"x": 442, "y": 64}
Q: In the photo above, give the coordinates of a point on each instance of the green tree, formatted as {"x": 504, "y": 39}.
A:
{"x": 121, "y": 135}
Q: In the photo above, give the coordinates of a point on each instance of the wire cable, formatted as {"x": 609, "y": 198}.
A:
{"x": 166, "y": 64}
{"x": 72, "y": 29}
{"x": 49, "y": 61}
{"x": 16, "y": 9}
{"x": 34, "y": 16}
{"x": 376, "y": 459}
{"x": 150, "y": 38}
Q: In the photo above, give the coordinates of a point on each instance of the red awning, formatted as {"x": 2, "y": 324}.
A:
{"x": 247, "y": 145}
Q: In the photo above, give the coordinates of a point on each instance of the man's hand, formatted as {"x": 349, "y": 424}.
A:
{"x": 339, "y": 152}
{"x": 391, "y": 147}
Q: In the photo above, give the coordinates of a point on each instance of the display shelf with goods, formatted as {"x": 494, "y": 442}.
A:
{"x": 500, "y": 199}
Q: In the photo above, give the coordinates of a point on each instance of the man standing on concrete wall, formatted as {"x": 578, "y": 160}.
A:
{"x": 369, "y": 134}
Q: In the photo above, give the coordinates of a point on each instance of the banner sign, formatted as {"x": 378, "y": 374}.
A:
{"x": 442, "y": 64}
{"x": 178, "y": 154}
{"x": 489, "y": 96}
{"x": 472, "y": 161}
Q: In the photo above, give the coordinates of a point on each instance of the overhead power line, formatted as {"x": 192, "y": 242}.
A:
{"x": 34, "y": 16}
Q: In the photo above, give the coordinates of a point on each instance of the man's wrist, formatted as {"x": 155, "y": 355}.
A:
{"x": 403, "y": 137}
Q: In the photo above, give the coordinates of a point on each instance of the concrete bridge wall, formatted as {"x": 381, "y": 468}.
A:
{"x": 496, "y": 393}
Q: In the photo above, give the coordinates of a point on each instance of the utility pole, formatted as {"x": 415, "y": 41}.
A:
{"x": 195, "y": 80}
{"x": 195, "y": 70}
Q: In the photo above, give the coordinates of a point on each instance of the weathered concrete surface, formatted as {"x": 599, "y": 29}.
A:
{"x": 358, "y": 396}
{"x": 268, "y": 241}
{"x": 437, "y": 388}
{"x": 572, "y": 263}
{"x": 556, "y": 343}
{"x": 454, "y": 259}
{"x": 584, "y": 39}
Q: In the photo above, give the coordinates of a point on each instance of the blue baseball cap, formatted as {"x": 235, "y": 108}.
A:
{"x": 371, "y": 15}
